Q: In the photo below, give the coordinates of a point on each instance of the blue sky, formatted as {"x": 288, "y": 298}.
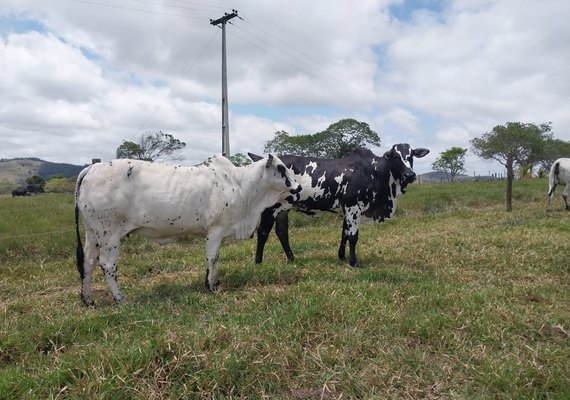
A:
{"x": 79, "y": 77}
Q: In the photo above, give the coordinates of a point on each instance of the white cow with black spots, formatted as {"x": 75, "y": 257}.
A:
{"x": 215, "y": 200}
{"x": 559, "y": 175}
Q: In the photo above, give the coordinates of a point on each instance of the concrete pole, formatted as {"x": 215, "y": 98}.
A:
{"x": 225, "y": 119}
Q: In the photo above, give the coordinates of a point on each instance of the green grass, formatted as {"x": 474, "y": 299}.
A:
{"x": 455, "y": 298}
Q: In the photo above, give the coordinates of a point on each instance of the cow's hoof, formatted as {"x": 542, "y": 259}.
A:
{"x": 87, "y": 301}
{"x": 212, "y": 287}
{"x": 120, "y": 300}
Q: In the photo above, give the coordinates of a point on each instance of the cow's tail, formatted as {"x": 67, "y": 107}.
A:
{"x": 80, "y": 256}
{"x": 553, "y": 177}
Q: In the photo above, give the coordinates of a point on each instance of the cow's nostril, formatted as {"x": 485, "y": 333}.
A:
{"x": 409, "y": 176}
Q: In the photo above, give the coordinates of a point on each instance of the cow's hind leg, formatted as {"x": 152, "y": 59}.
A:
{"x": 565, "y": 196}
{"x": 342, "y": 247}
{"x": 282, "y": 231}
{"x": 90, "y": 261}
{"x": 108, "y": 257}
{"x": 551, "y": 190}
{"x": 213, "y": 243}
{"x": 263, "y": 231}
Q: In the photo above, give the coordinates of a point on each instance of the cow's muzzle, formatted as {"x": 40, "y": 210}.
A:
{"x": 409, "y": 177}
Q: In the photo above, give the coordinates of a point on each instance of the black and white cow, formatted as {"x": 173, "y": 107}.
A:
{"x": 215, "y": 200}
{"x": 559, "y": 175}
{"x": 363, "y": 186}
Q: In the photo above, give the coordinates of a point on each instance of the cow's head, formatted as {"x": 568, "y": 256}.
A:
{"x": 281, "y": 174}
{"x": 401, "y": 157}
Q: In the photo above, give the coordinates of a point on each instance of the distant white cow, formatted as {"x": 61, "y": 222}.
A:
{"x": 559, "y": 175}
{"x": 215, "y": 200}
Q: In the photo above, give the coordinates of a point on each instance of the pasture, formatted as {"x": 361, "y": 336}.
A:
{"x": 455, "y": 298}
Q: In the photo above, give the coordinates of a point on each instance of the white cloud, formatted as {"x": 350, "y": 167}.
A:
{"x": 93, "y": 75}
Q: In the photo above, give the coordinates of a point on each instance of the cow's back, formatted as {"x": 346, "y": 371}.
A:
{"x": 328, "y": 184}
{"x": 141, "y": 195}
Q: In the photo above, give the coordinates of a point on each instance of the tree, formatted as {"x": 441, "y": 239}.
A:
{"x": 552, "y": 151}
{"x": 152, "y": 146}
{"x": 60, "y": 185}
{"x": 239, "y": 160}
{"x": 35, "y": 184}
{"x": 338, "y": 140}
{"x": 451, "y": 161}
{"x": 514, "y": 143}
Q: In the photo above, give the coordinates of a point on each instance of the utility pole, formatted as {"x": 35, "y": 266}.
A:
{"x": 225, "y": 121}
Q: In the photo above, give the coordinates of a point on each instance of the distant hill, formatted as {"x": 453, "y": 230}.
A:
{"x": 17, "y": 170}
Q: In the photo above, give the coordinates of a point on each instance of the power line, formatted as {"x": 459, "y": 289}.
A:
{"x": 201, "y": 4}
{"x": 323, "y": 69}
{"x": 186, "y": 72}
{"x": 208, "y": 10}
{"x": 137, "y": 9}
{"x": 308, "y": 56}
{"x": 342, "y": 86}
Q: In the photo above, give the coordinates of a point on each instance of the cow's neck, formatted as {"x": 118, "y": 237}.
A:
{"x": 387, "y": 190}
{"x": 256, "y": 196}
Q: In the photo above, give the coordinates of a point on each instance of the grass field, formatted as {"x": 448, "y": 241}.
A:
{"x": 455, "y": 298}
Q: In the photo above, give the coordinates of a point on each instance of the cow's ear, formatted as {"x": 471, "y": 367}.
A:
{"x": 389, "y": 154}
{"x": 254, "y": 157}
{"x": 419, "y": 153}
{"x": 269, "y": 160}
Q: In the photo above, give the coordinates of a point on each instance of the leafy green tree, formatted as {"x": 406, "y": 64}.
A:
{"x": 451, "y": 161}
{"x": 60, "y": 185}
{"x": 552, "y": 151}
{"x": 239, "y": 160}
{"x": 35, "y": 184}
{"x": 152, "y": 146}
{"x": 513, "y": 144}
{"x": 338, "y": 140}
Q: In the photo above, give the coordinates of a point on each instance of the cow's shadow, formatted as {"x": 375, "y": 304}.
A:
{"x": 230, "y": 280}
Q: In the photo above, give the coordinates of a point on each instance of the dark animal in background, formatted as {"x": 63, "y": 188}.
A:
{"x": 559, "y": 175}
{"x": 20, "y": 192}
{"x": 363, "y": 186}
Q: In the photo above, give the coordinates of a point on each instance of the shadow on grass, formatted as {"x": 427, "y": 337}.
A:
{"x": 231, "y": 280}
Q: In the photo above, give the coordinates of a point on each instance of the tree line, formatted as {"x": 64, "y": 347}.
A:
{"x": 515, "y": 145}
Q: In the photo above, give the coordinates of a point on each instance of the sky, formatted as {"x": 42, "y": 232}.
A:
{"x": 78, "y": 77}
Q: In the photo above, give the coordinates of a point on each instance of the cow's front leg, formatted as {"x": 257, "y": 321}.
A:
{"x": 565, "y": 196}
{"x": 352, "y": 239}
{"x": 213, "y": 243}
{"x": 350, "y": 233}
{"x": 263, "y": 231}
{"x": 282, "y": 231}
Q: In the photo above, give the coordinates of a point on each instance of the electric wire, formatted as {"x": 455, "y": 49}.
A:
{"x": 186, "y": 72}
{"x": 139, "y": 10}
{"x": 339, "y": 85}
